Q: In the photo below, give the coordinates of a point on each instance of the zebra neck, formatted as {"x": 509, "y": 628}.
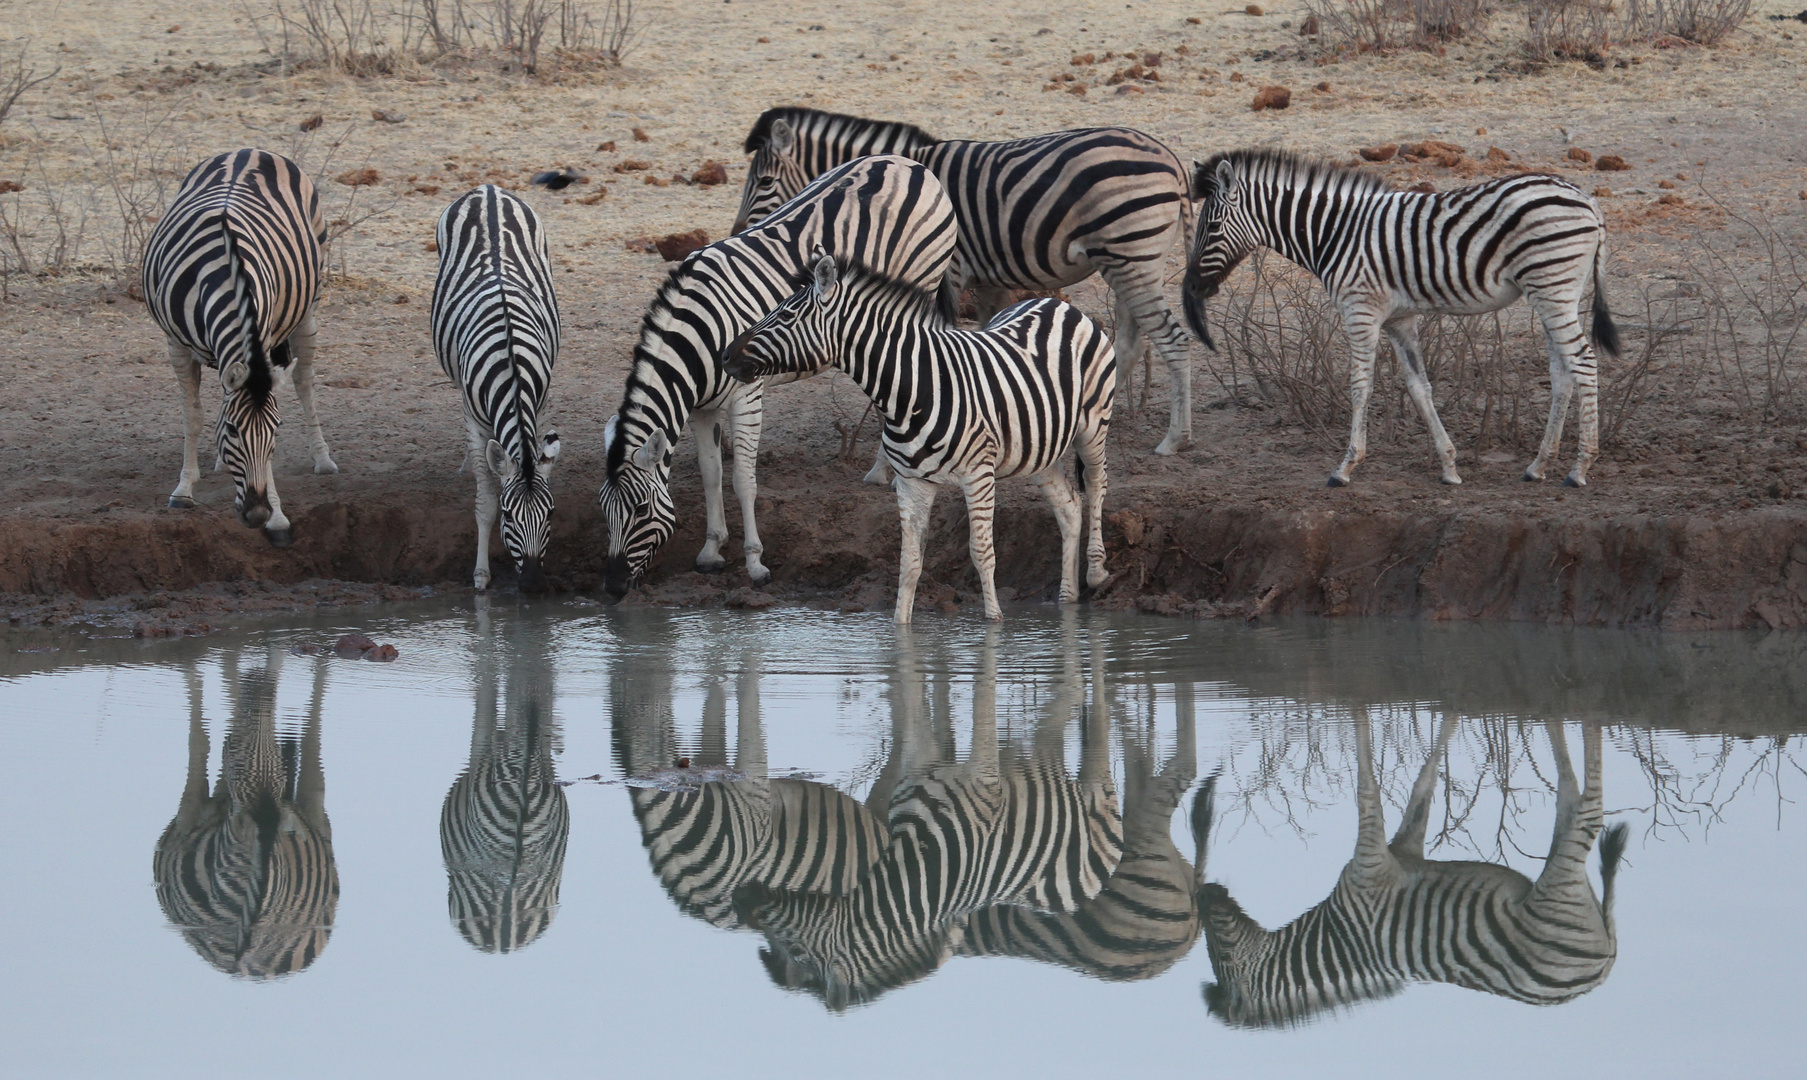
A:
{"x": 832, "y": 140}
{"x": 1300, "y": 223}
{"x": 889, "y": 358}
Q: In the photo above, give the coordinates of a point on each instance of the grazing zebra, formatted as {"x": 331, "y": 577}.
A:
{"x": 1040, "y": 213}
{"x": 231, "y": 274}
{"x": 959, "y": 407}
{"x": 247, "y": 874}
{"x": 997, "y": 829}
{"x": 495, "y": 328}
{"x": 1389, "y": 256}
{"x": 503, "y": 827}
{"x": 886, "y": 210}
{"x": 1395, "y": 917}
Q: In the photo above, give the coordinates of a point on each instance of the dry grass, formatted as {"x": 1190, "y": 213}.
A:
{"x": 16, "y": 77}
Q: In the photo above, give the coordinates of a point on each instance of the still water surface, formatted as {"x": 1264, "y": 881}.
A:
{"x": 795, "y": 843}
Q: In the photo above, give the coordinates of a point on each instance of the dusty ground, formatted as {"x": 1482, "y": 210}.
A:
{"x": 1695, "y": 516}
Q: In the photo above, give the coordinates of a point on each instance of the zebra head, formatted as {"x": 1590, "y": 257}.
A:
{"x": 774, "y": 176}
{"x": 794, "y": 337}
{"x": 1224, "y": 237}
{"x": 245, "y": 439}
{"x": 526, "y": 506}
{"x": 636, "y": 505}
{"x": 817, "y": 943}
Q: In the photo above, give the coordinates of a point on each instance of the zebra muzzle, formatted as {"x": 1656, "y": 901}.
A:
{"x": 532, "y": 579}
{"x": 617, "y": 579}
{"x": 734, "y": 360}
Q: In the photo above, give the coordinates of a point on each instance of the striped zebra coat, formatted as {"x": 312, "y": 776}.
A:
{"x": 959, "y": 407}
{"x": 231, "y": 275}
{"x": 246, "y": 873}
{"x": 496, "y": 331}
{"x": 1388, "y": 256}
{"x": 886, "y": 210}
{"x": 1040, "y": 213}
{"x": 1396, "y": 917}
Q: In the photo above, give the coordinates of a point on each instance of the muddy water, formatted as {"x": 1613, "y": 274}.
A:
{"x": 727, "y": 843}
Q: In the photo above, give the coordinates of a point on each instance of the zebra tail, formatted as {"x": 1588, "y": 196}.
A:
{"x": 1612, "y": 849}
{"x": 1606, "y": 335}
{"x": 947, "y": 300}
{"x": 1203, "y": 805}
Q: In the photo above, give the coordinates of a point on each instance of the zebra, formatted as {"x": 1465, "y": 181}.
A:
{"x": 247, "y": 873}
{"x": 996, "y": 829}
{"x": 1395, "y": 917}
{"x": 888, "y": 210}
{"x": 504, "y": 823}
{"x": 1388, "y": 256}
{"x": 959, "y": 407}
{"x": 496, "y": 330}
{"x": 1040, "y": 213}
{"x": 231, "y": 275}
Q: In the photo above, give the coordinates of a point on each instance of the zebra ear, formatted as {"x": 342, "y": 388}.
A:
{"x": 652, "y": 452}
{"x": 234, "y": 375}
{"x": 782, "y": 138}
{"x": 549, "y": 448}
{"x": 499, "y": 462}
{"x": 1226, "y": 176}
{"x": 826, "y": 278}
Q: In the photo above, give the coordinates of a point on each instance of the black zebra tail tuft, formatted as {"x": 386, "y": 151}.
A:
{"x": 1612, "y": 849}
{"x": 1606, "y": 335}
{"x": 1193, "y": 305}
{"x": 1203, "y": 804}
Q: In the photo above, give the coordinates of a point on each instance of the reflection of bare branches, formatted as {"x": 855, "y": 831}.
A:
{"x": 1699, "y": 792}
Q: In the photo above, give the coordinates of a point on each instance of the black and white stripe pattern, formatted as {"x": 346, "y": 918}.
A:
{"x": 959, "y": 407}
{"x": 496, "y": 330}
{"x": 886, "y": 210}
{"x": 1395, "y": 917}
{"x": 247, "y": 874}
{"x": 1388, "y": 256}
{"x": 1039, "y": 213}
{"x": 231, "y": 274}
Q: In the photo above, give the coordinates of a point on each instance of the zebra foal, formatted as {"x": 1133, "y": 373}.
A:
{"x": 496, "y": 330}
{"x": 959, "y": 407}
{"x": 1388, "y": 256}
{"x": 231, "y": 275}
{"x": 1040, "y": 213}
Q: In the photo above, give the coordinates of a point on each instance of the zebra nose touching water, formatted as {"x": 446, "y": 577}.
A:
{"x": 959, "y": 407}
{"x": 232, "y": 275}
{"x": 496, "y": 331}
{"x": 1388, "y": 256}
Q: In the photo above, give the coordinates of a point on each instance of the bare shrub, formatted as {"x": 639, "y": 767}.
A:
{"x": 345, "y": 207}
{"x": 1753, "y": 285}
{"x": 1571, "y": 30}
{"x": 1435, "y": 22}
{"x": 1360, "y": 25}
{"x": 140, "y": 172}
{"x": 16, "y": 78}
{"x": 1704, "y": 22}
{"x": 381, "y": 37}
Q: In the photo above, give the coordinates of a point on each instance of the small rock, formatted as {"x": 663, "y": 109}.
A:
{"x": 594, "y": 197}
{"x": 655, "y": 181}
{"x": 1612, "y": 163}
{"x": 606, "y": 147}
{"x": 1578, "y": 154}
{"x": 1323, "y": 87}
{"x": 1310, "y": 27}
{"x": 1129, "y": 88}
{"x": 1193, "y": 20}
{"x": 1235, "y": 76}
{"x": 1603, "y": 193}
{"x": 640, "y": 135}
{"x": 644, "y": 245}
{"x": 1671, "y": 200}
{"x": 359, "y": 177}
{"x": 1253, "y": 9}
{"x": 1383, "y": 152}
{"x": 1081, "y": 59}
{"x": 1272, "y": 97}
{"x": 712, "y": 173}
{"x": 632, "y": 165}
{"x": 1424, "y": 187}
{"x": 312, "y": 122}
{"x": 7, "y": 187}
{"x": 677, "y": 245}
{"x": 1666, "y": 185}
{"x": 386, "y": 117}
{"x": 1496, "y": 155}
{"x": 1077, "y": 89}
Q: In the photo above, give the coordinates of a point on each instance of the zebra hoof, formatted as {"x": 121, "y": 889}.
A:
{"x": 325, "y": 468}
{"x": 181, "y": 502}
{"x": 716, "y": 566}
{"x": 280, "y": 538}
{"x": 1336, "y": 481}
{"x": 1571, "y": 481}
{"x": 1453, "y": 481}
{"x": 761, "y": 576}
{"x": 1531, "y": 477}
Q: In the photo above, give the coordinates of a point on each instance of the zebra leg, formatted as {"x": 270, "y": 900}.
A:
{"x": 1562, "y": 387}
{"x": 1138, "y": 289}
{"x": 301, "y": 347}
{"x": 1403, "y": 333}
{"x": 1587, "y": 381}
{"x": 1372, "y": 863}
{"x": 981, "y": 488}
{"x": 1409, "y": 840}
{"x": 706, "y": 429}
{"x": 1132, "y": 351}
{"x": 1094, "y": 478}
{"x": 276, "y": 526}
{"x": 1364, "y": 339}
{"x": 188, "y": 374}
{"x": 746, "y": 418}
{"x": 489, "y": 503}
{"x": 915, "y": 498}
{"x": 1053, "y": 484}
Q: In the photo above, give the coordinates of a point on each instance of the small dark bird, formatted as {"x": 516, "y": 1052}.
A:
{"x": 559, "y": 179}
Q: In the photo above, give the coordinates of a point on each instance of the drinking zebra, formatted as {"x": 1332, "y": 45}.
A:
{"x": 1040, "y": 213}
{"x": 247, "y": 874}
{"x": 1396, "y": 917}
{"x": 496, "y": 329}
{"x": 886, "y": 210}
{"x": 503, "y": 827}
{"x": 1388, "y": 256}
{"x": 959, "y": 407}
{"x": 231, "y": 274}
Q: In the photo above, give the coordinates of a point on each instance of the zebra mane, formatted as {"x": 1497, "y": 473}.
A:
{"x": 892, "y": 292}
{"x": 1294, "y": 170}
{"x": 815, "y": 120}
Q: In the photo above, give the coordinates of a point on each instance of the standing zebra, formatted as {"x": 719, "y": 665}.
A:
{"x": 503, "y": 827}
{"x": 886, "y": 210}
{"x": 1040, "y": 213}
{"x": 1396, "y": 917}
{"x": 231, "y": 274}
{"x": 247, "y": 874}
{"x": 495, "y": 328}
{"x": 959, "y": 407}
{"x": 1389, "y": 256}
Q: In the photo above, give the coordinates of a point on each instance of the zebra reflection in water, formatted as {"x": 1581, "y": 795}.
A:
{"x": 1396, "y": 917}
{"x": 503, "y": 828}
{"x": 246, "y": 874}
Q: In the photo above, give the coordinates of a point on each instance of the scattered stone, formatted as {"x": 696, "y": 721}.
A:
{"x": 1671, "y": 200}
{"x": 1272, "y": 97}
{"x": 712, "y": 173}
{"x": 1603, "y": 193}
{"x": 1077, "y": 89}
{"x": 606, "y": 147}
{"x": 432, "y": 245}
{"x": 677, "y": 245}
{"x": 1235, "y": 76}
{"x": 640, "y": 135}
{"x": 1578, "y": 154}
{"x": 1310, "y": 27}
{"x": 7, "y": 187}
{"x": 644, "y": 245}
{"x": 1480, "y": 131}
{"x": 1666, "y": 185}
{"x": 1497, "y": 156}
{"x": 1253, "y": 9}
{"x": 1129, "y": 88}
{"x": 1323, "y": 87}
{"x": 427, "y": 189}
{"x": 359, "y": 177}
{"x": 1080, "y": 59}
{"x": 382, "y": 654}
{"x": 594, "y": 197}
{"x": 312, "y": 122}
{"x": 632, "y": 165}
{"x": 384, "y": 116}
{"x": 1193, "y": 20}
{"x": 655, "y": 181}
{"x": 1383, "y": 152}
{"x": 1612, "y": 163}
{"x": 1424, "y": 187}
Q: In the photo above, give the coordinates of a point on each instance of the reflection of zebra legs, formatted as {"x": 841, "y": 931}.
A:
{"x": 1476, "y": 925}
